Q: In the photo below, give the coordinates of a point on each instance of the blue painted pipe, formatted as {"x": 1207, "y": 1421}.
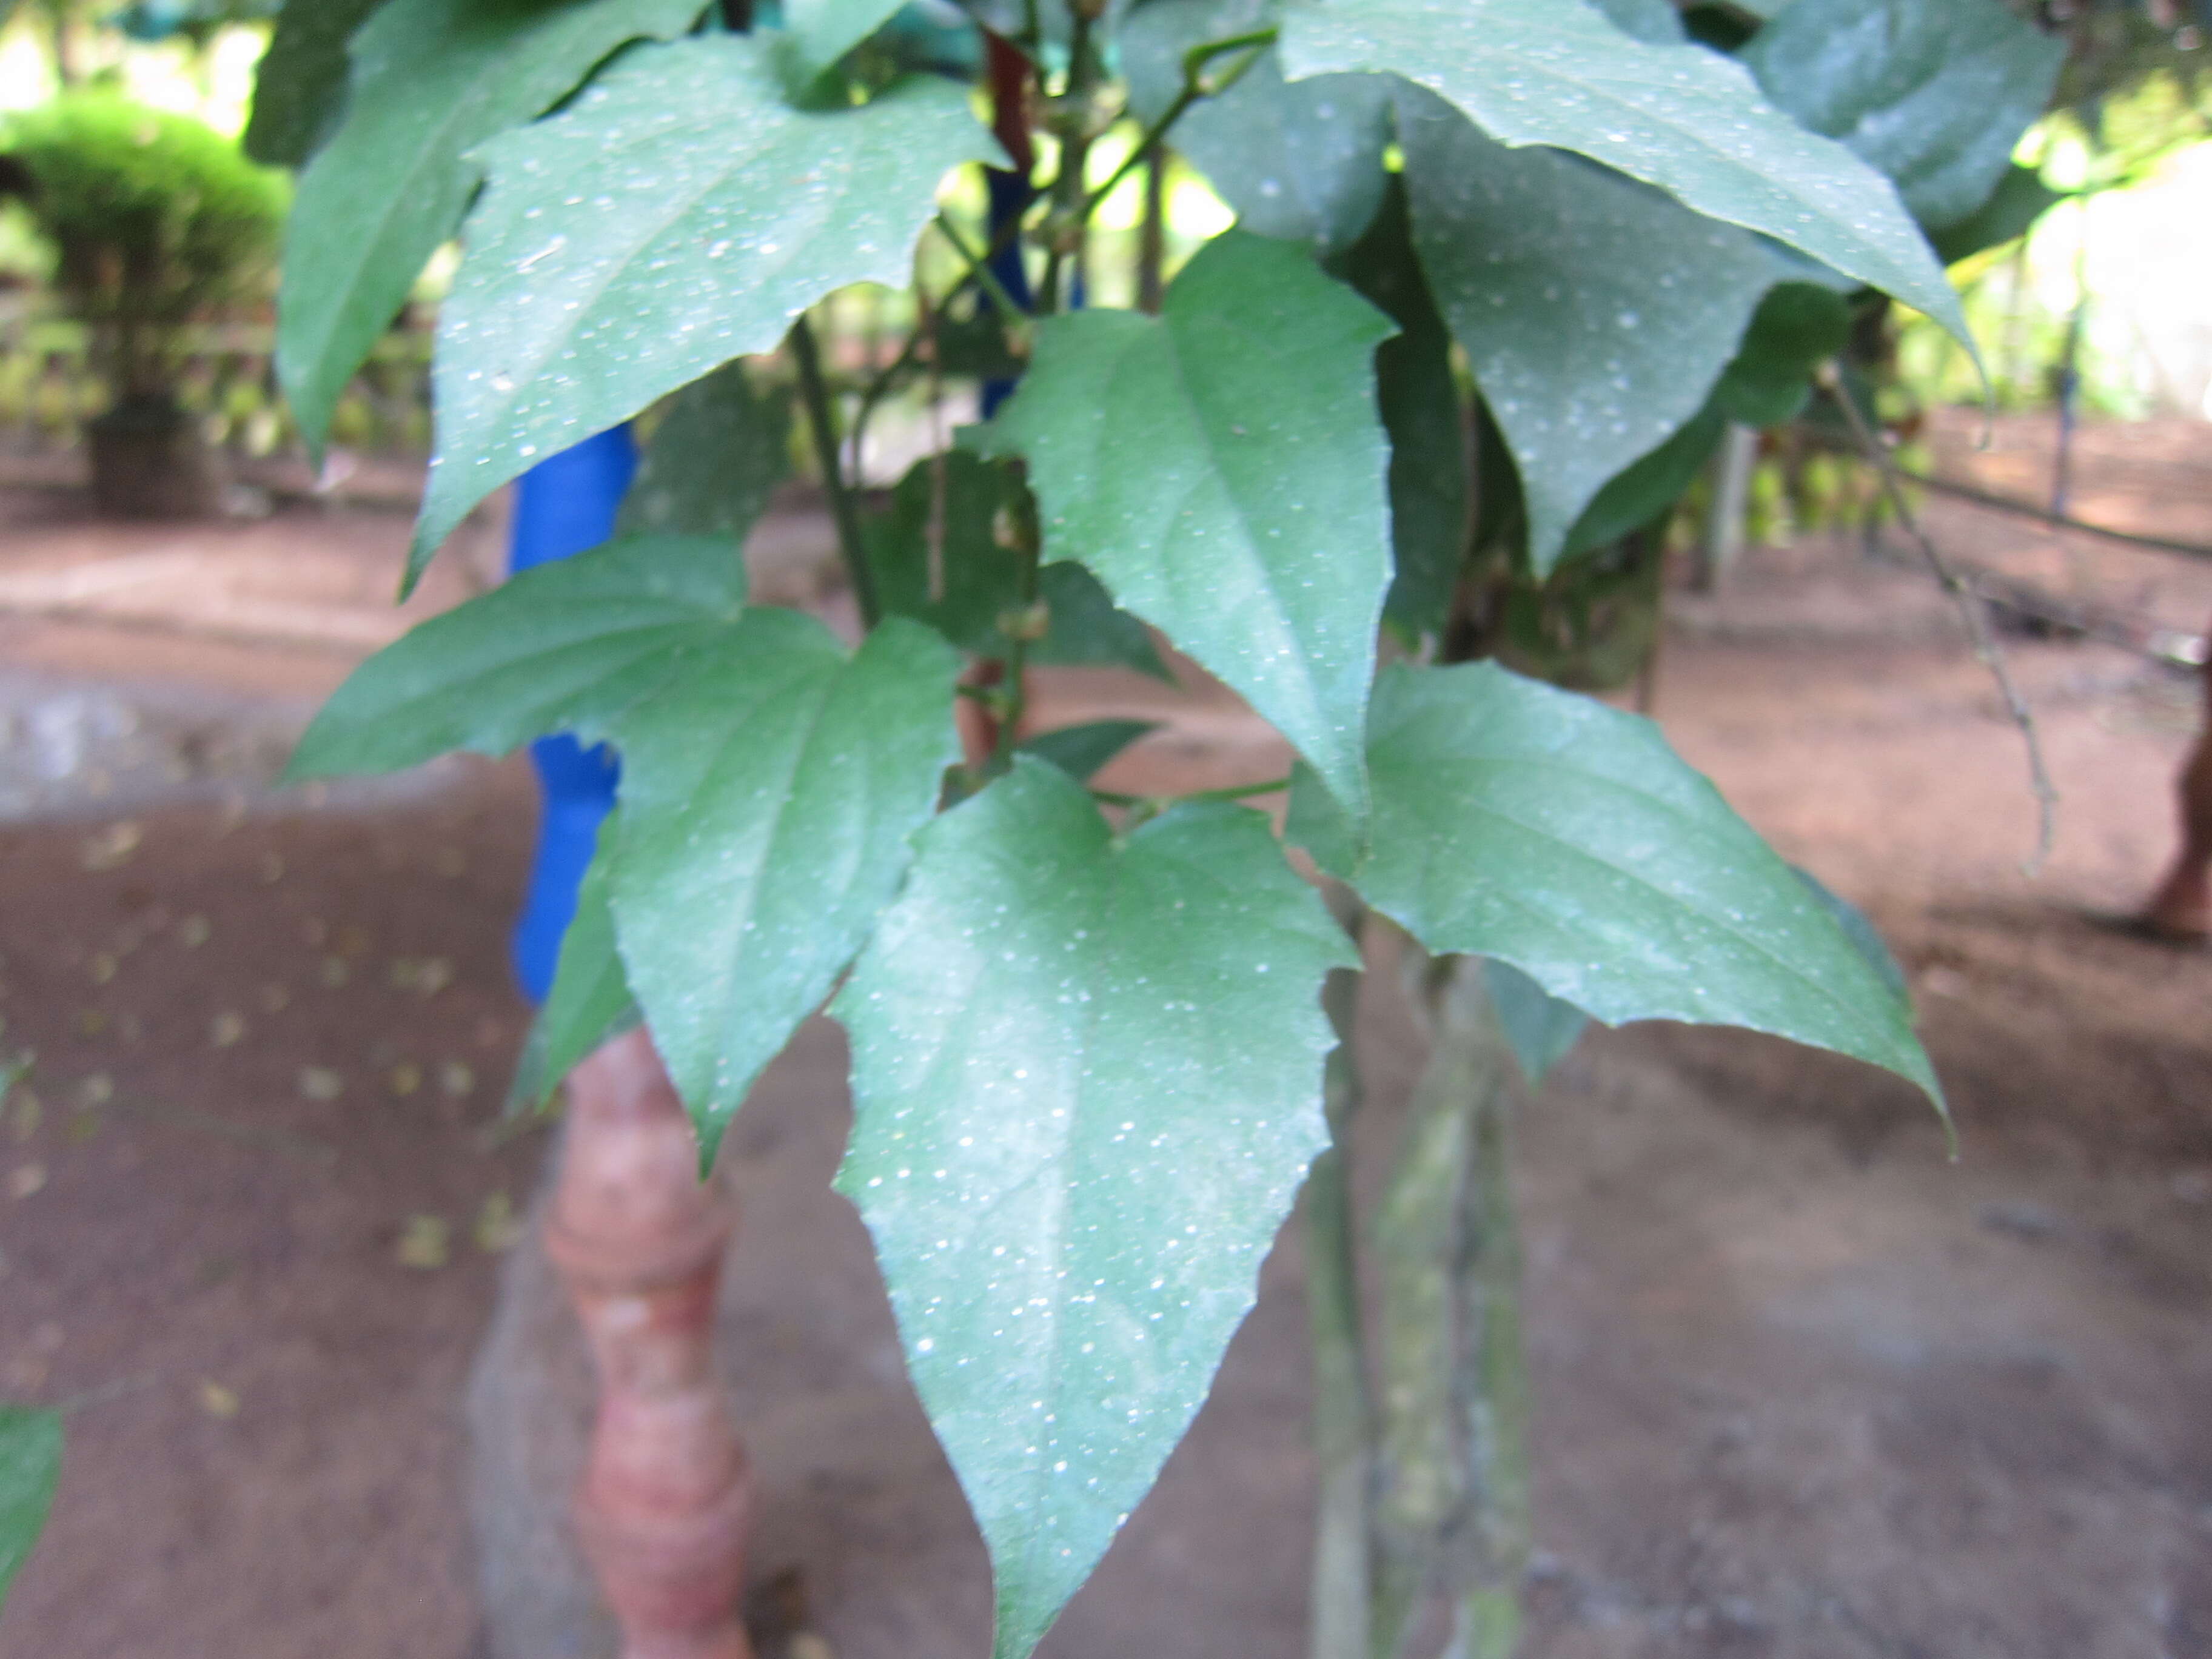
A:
{"x": 563, "y": 505}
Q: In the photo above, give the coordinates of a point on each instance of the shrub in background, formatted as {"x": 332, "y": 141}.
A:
{"x": 157, "y": 221}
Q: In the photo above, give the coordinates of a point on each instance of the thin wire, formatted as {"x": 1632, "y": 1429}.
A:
{"x": 1974, "y": 610}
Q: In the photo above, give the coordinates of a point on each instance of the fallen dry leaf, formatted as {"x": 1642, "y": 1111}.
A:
{"x": 97, "y": 1090}
{"x": 194, "y": 932}
{"x": 498, "y": 1228}
{"x": 217, "y": 1401}
{"x": 404, "y": 1078}
{"x": 112, "y": 845}
{"x": 458, "y": 1079}
{"x": 320, "y": 1083}
{"x": 425, "y": 1242}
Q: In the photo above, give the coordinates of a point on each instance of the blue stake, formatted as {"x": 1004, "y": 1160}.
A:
{"x": 563, "y": 505}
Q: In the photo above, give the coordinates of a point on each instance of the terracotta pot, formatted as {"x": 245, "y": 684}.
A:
{"x": 150, "y": 461}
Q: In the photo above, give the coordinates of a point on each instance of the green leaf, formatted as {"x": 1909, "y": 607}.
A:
{"x": 1516, "y": 821}
{"x": 1654, "y": 21}
{"x": 822, "y": 31}
{"x": 766, "y": 799}
{"x": 1088, "y": 630}
{"x": 431, "y": 79}
{"x": 1082, "y": 751}
{"x": 564, "y": 646}
{"x": 713, "y": 462}
{"x": 1420, "y": 403}
{"x": 2020, "y": 198}
{"x": 1087, "y": 1077}
{"x": 1862, "y": 935}
{"x": 1595, "y": 312}
{"x": 1798, "y": 326}
{"x": 940, "y": 555}
{"x": 1634, "y": 497}
{"x": 30, "y": 1468}
{"x": 590, "y": 1000}
{"x": 678, "y": 214}
{"x": 300, "y": 86}
{"x": 1219, "y": 469}
{"x": 1681, "y": 118}
{"x": 1299, "y": 163}
{"x": 1540, "y": 1028}
{"x": 1935, "y": 93}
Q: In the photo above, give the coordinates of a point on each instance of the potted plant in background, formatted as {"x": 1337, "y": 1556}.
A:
{"x": 157, "y": 223}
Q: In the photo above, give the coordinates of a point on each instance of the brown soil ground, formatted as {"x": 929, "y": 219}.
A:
{"x": 1805, "y": 1388}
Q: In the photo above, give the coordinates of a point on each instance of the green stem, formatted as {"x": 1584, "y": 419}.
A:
{"x": 1343, "y": 1415}
{"x": 815, "y": 392}
{"x": 1435, "y": 1489}
{"x": 1493, "y": 1371}
{"x": 1071, "y": 213}
{"x": 1014, "y": 700}
{"x": 1232, "y": 791}
{"x": 979, "y": 270}
{"x": 1195, "y": 87}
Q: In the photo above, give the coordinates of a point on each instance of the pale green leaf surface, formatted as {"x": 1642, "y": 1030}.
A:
{"x": 678, "y": 214}
{"x": 564, "y": 646}
{"x": 1595, "y": 312}
{"x": 590, "y": 1000}
{"x": 1516, "y": 821}
{"x": 1681, "y": 118}
{"x": 430, "y": 79}
{"x": 713, "y": 462}
{"x": 766, "y": 799}
{"x": 1419, "y": 400}
{"x": 1299, "y": 163}
{"x": 1862, "y": 934}
{"x": 939, "y": 557}
{"x": 300, "y": 84}
{"x": 1219, "y": 468}
{"x": 30, "y": 1466}
{"x": 1087, "y": 1083}
{"x": 1935, "y": 93}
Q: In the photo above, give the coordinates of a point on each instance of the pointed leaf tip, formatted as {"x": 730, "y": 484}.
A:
{"x": 1087, "y": 1077}
{"x": 1221, "y": 470}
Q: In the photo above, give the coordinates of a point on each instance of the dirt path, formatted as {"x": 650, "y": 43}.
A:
{"x": 1806, "y": 1389}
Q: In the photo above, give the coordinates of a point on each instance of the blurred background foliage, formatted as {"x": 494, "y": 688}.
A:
{"x": 2091, "y": 296}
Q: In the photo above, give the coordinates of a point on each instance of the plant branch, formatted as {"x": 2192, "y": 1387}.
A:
{"x": 1195, "y": 87}
{"x": 1161, "y": 802}
{"x": 842, "y": 507}
{"x": 1974, "y": 610}
{"x": 979, "y": 270}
